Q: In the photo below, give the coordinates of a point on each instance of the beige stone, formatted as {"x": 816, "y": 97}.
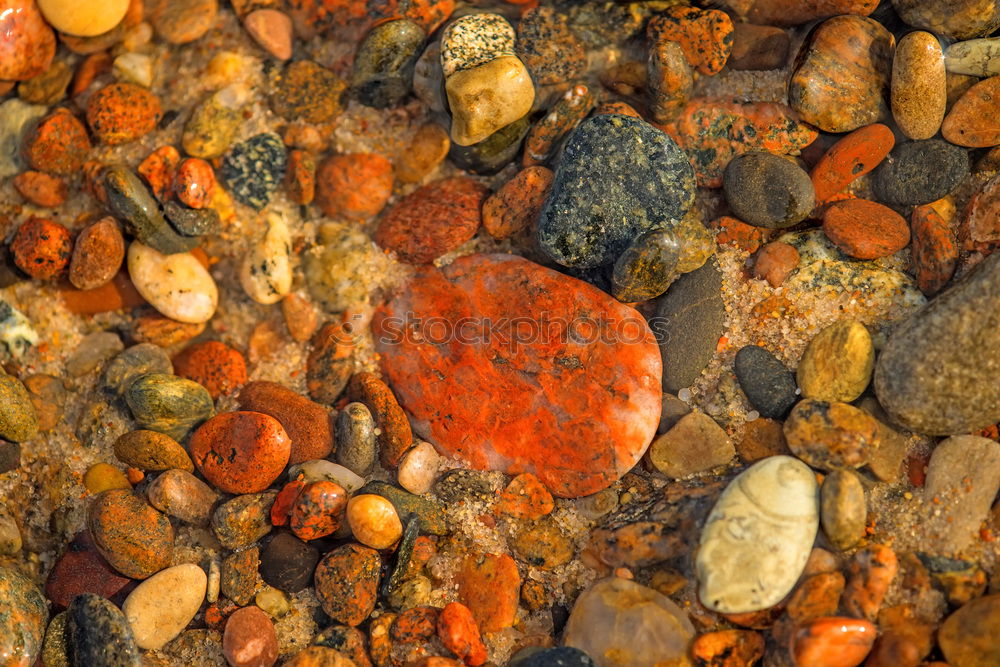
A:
{"x": 919, "y": 91}
{"x": 694, "y": 444}
{"x": 837, "y": 364}
{"x": 83, "y": 19}
{"x": 162, "y": 606}
{"x": 374, "y": 521}
{"x": 271, "y": 29}
{"x": 177, "y": 285}
{"x": 419, "y": 468}
{"x": 266, "y": 273}
{"x": 488, "y": 97}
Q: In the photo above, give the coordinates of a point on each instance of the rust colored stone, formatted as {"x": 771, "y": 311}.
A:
{"x": 621, "y": 108}
{"x": 762, "y": 438}
{"x": 395, "y": 437}
{"x": 669, "y": 79}
{"x": 865, "y": 229}
{"x": 706, "y": 35}
{"x": 735, "y": 232}
{"x": 546, "y": 134}
{"x": 355, "y": 186}
{"x": 158, "y": 168}
{"x": 123, "y": 112}
{"x": 217, "y": 367}
{"x": 318, "y": 510}
{"x": 815, "y": 597}
{"x": 796, "y": 12}
{"x": 321, "y": 656}
{"x": 518, "y": 202}
{"x": 869, "y": 575}
{"x": 489, "y": 585}
{"x": 301, "y": 317}
{"x": 40, "y": 188}
{"x": 728, "y": 648}
{"x": 300, "y": 176}
{"x": 852, "y": 156}
{"x": 58, "y": 144}
{"x": 88, "y": 70}
{"x": 457, "y": 629}
{"x": 133, "y": 537}
{"x": 833, "y": 642}
{"x": 982, "y": 217}
{"x": 306, "y": 422}
{"x": 28, "y": 44}
{"x": 526, "y": 498}
{"x": 240, "y": 452}
{"x": 81, "y": 569}
{"x": 347, "y": 583}
{"x": 775, "y": 261}
{"x": 115, "y": 295}
{"x": 41, "y": 248}
{"x": 972, "y": 120}
{"x": 194, "y": 182}
{"x": 330, "y": 363}
{"x": 249, "y": 639}
{"x": 97, "y": 254}
{"x": 415, "y": 625}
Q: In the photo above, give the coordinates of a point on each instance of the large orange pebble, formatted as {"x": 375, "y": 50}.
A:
{"x": 249, "y": 639}
{"x": 123, "y": 112}
{"x": 217, "y": 367}
{"x": 706, "y": 36}
{"x": 374, "y": 521}
{"x": 240, "y": 452}
{"x": 59, "y": 144}
{"x": 347, "y": 583}
{"x": 489, "y": 585}
{"x": 728, "y": 648}
{"x": 41, "y": 248}
{"x": 972, "y": 121}
{"x": 306, "y": 422}
{"x": 833, "y": 642}
{"x": 457, "y": 629}
{"x": 97, "y": 254}
{"x": 318, "y": 510}
{"x": 853, "y": 156}
{"x": 194, "y": 182}
{"x": 870, "y": 574}
{"x": 935, "y": 249}
{"x": 354, "y": 186}
{"x": 526, "y": 498}
{"x": 518, "y": 202}
{"x": 864, "y": 229}
{"x": 40, "y": 188}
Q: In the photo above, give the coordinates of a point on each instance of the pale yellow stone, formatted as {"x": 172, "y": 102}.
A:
{"x": 374, "y": 521}
{"x": 83, "y": 19}
{"x": 975, "y": 57}
{"x": 162, "y": 606}
{"x": 419, "y": 468}
{"x": 837, "y": 364}
{"x": 488, "y": 97}
{"x": 266, "y": 274}
{"x": 919, "y": 85}
{"x": 177, "y": 285}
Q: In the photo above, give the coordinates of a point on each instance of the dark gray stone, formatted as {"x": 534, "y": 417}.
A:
{"x": 647, "y": 267}
{"x": 288, "y": 563}
{"x": 383, "y": 66}
{"x": 192, "y": 221}
{"x": 561, "y": 656}
{"x": 133, "y": 362}
{"x": 768, "y": 190}
{"x": 99, "y": 634}
{"x": 769, "y": 386}
{"x": 254, "y": 169}
{"x": 131, "y": 202}
{"x": 618, "y": 178}
{"x": 920, "y": 172}
{"x": 355, "y": 438}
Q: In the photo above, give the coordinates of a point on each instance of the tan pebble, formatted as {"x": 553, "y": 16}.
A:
{"x": 266, "y": 274}
{"x": 301, "y": 317}
{"x": 83, "y": 19}
{"x": 161, "y": 607}
{"x": 183, "y": 496}
{"x": 177, "y": 285}
{"x": 374, "y": 521}
{"x": 919, "y": 89}
{"x": 488, "y": 97}
{"x": 103, "y": 477}
{"x": 418, "y": 469}
{"x": 181, "y": 21}
{"x": 10, "y": 535}
{"x": 427, "y": 149}
{"x": 272, "y": 30}
{"x": 838, "y": 363}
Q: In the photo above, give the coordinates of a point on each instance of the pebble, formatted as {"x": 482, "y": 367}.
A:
{"x": 728, "y": 647}
{"x": 476, "y": 115}
{"x": 307, "y": 423}
{"x": 383, "y": 65}
{"x": 543, "y": 545}
{"x": 132, "y": 204}
{"x": 308, "y": 92}
{"x": 300, "y": 316}
{"x": 489, "y": 585}
{"x": 48, "y": 88}
{"x": 647, "y": 267}
{"x": 829, "y": 435}
{"x": 865, "y": 230}
{"x": 791, "y": 12}
{"x": 121, "y": 113}
{"x": 18, "y": 122}
{"x": 161, "y": 607}
{"x": 374, "y": 521}
{"x": 596, "y": 624}
{"x": 526, "y": 498}
{"x": 670, "y": 79}
{"x": 98, "y": 634}
{"x": 960, "y": 19}
{"x": 272, "y": 30}
{"x": 217, "y": 367}
{"x": 419, "y": 468}
{"x": 18, "y": 419}
{"x": 168, "y": 404}
{"x": 475, "y": 40}
{"x": 975, "y": 57}
{"x": 212, "y": 126}
{"x": 870, "y": 573}
{"x": 516, "y": 205}
{"x": 330, "y": 362}
{"x": 982, "y": 220}
{"x": 25, "y": 612}
{"x": 151, "y": 452}
{"x": 10, "y": 536}
{"x": 690, "y": 318}
{"x": 192, "y": 222}
{"x": 430, "y": 514}
{"x": 98, "y": 254}
{"x": 48, "y": 395}
{"x": 318, "y": 511}
{"x": 10, "y": 456}
{"x": 300, "y": 176}
{"x": 194, "y": 182}
{"x": 30, "y": 44}
{"x": 183, "y": 496}
{"x": 16, "y": 332}
{"x": 133, "y": 538}
{"x": 655, "y": 185}
{"x": 965, "y": 124}
{"x": 561, "y": 656}
{"x": 548, "y": 47}
{"x": 181, "y": 22}
{"x": 254, "y": 169}
{"x": 457, "y": 629}
{"x": 841, "y": 78}
{"x": 81, "y": 569}
{"x": 177, "y": 285}
{"x": 930, "y": 376}
{"x": 346, "y": 583}
{"x": 545, "y": 136}
{"x": 919, "y": 91}
{"x": 920, "y": 172}
{"x": 288, "y": 563}
{"x": 768, "y": 385}
{"x": 319, "y": 656}
{"x": 769, "y": 516}
{"x": 347, "y": 640}
{"x": 768, "y": 190}
{"x": 135, "y": 361}
{"x": 240, "y": 452}
{"x": 134, "y": 68}
{"x": 833, "y": 642}
{"x": 238, "y": 577}
{"x": 163, "y": 332}
{"x": 250, "y": 639}
{"x": 489, "y": 156}
{"x": 737, "y": 233}
{"x": 705, "y": 35}
{"x": 243, "y": 520}
{"x": 40, "y": 188}
{"x": 838, "y": 362}
{"x": 41, "y": 248}
{"x": 426, "y": 151}
{"x": 695, "y": 444}
{"x": 843, "y": 511}
{"x": 93, "y": 351}
{"x": 355, "y": 186}
{"x": 853, "y": 156}
{"x": 758, "y": 47}
{"x": 104, "y": 477}
{"x": 83, "y": 20}
{"x": 355, "y": 431}
{"x": 968, "y": 636}
{"x": 774, "y": 262}
{"x": 432, "y": 220}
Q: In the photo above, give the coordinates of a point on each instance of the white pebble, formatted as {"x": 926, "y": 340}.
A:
{"x": 266, "y": 274}
{"x": 320, "y": 470}
{"x": 162, "y": 606}
{"x": 176, "y": 285}
{"x": 419, "y": 468}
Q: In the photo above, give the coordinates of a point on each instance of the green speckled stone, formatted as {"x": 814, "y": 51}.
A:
{"x": 99, "y": 634}
{"x": 430, "y": 513}
{"x": 475, "y": 40}
{"x": 618, "y": 178}
{"x": 647, "y": 267}
{"x": 23, "y": 612}
{"x": 213, "y": 124}
{"x": 192, "y": 221}
{"x": 383, "y": 67}
{"x": 168, "y": 404}
{"x": 131, "y": 202}
{"x": 133, "y": 362}
{"x": 494, "y": 152}
{"x": 18, "y": 421}
{"x": 244, "y": 519}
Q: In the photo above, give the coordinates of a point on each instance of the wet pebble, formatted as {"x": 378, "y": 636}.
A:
{"x": 869, "y": 575}
{"x": 374, "y": 521}
{"x": 330, "y": 362}
{"x": 706, "y": 36}
{"x": 920, "y": 172}
{"x": 318, "y": 511}
{"x": 98, "y": 253}
{"x": 419, "y": 468}
{"x": 829, "y": 435}
{"x": 919, "y": 91}
{"x": 356, "y": 449}
{"x": 427, "y": 149}
{"x": 30, "y": 44}
{"x": 695, "y": 444}
{"x": 306, "y": 422}
{"x": 240, "y": 452}
{"x": 517, "y": 204}
{"x": 968, "y": 636}
{"x": 355, "y": 186}
{"x": 843, "y": 510}
{"x": 254, "y": 169}
{"x": 959, "y": 19}
{"x": 162, "y": 606}
{"x": 346, "y": 583}
{"x": 288, "y": 563}
{"x": 548, "y": 46}
{"x": 272, "y": 29}
{"x": 42, "y": 248}
{"x": 725, "y": 647}
{"x": 308, "y": 92}
{"x": 18, "y": 419}
{"x": 131, "y": 203}
{"x": 239, "y": 579}
{"x": 168, "y": 404}
{"x": 966, "y": 124}
{"x": 833, "y": 642}
{"x": 135, "y": 361}
{"x": 837, "y": 363}
{"x": 249, "y": 639}
{"x": 864, "y": 229}
{"x": 183, "y": 496}
{"x": 974, "y": 57}
{"x": 181, "y": 22}
{"x": 489, "y": 584}
{"x": 383, "y": 65}
{"x": 217, "y": 367}
{"x": 133, "y": 537}
{"x": 647, "y": 267}
{"x": 758, "y": 47}
{"x": 769, "y": 386}
{"x": 98, "y": 634}
{"x": 775, "y": 261}
{"x": 545, "y": 136}
{"x": 243, "y": 520}
{"x": 213, "y": 123}
{"x": 152, "y": 451}
{"x": 177, "y": 285}
{"x": 25, "y": 612}
{"x": 768, "y": 190}
{"x": 40, "y": 188}
{"x": 121, "y": 113}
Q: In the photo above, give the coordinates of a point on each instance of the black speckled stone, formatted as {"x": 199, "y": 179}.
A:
{"x": 131, "y": 202}
{"x": 689, "y": 320}
{"x": 99, "y": 634}
{"x": 769, "y": 386}
{"x": 254, "y": 169}
{"x": 383, "y": 68}
{"x": 192, "y": 221}
{"x": 768, "y": 190}
{"x": 920, "y": 172}
{"x": 288, "y": 563}
{"x": 561, "y": 656}
{"x": 618, "y": 178}
{"x": 646, "y": 268}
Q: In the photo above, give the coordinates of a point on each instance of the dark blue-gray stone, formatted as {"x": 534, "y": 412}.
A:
{"x": 254, "y": 169}
{"x": 130, "y": 201}
{"x": 99, "y": 634}
{"x": 919, "y": 172}
{"x": 769, "y": 386}
{"x": 618, "y": 178}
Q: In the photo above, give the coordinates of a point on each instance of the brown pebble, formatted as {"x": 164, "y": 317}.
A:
{"x": 775, "y": 261}
{"x": 301, "y": 317}
{"x": 830, "y": 435}
{"x": 41, "y": 248}
{"x": 354, "y": 186}
{"x": 181, "y": 21}
{"x": 133, "y": 537}
{"x": 762, "y": 438}
{"x": 58, "y": 144}
{"x": 40, "y": 188}
{"x": 272, "y": 29}
{"x": 758, "y": 47}
{"x": 97, "y": 254}
{"x": 427, "y": 149}
{"x": 249, "y": 639}
{"x": 395, "y": 437}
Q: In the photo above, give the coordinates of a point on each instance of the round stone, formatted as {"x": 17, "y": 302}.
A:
{"x": 182, "y": 495}
{"x": 243, "y": 520}
{"x": 42, "y": 248}
{"x": 694, "y": 444}
{"x": 133, "y": 537}
{"x": 920, "y": 172}
{"x": 966, "y": 123}
{"x": 833, "y": 642}
{"x": 177, "y": 285}
{"x": 548, "y": 46}
{"x": 346, "y": 583}
{"x": 355, "y": 186}
{"x": 240, "y": 452}
{"x": 768, "y": 190}
{"x": 24, "y": 611}
{"x": 830, "y": 435}
{"x": 181, "y": 22}
{"x": 843, "y": 511}
{"x": 308, "y": 92}
{"x": 374, "y": 521}
{"x": 254, "y": 169}
{"x": 419, "y": 468}
{"x": 249, "y": 639}
{"x": 837, "y": 364}
{"x": 288, "y": 563}
{"x": 29, "y": 43}
{"x": 135, "y": 361}
{"x": 475, "y": 40}
{"x": 217, "y": 367}
{"x": 769, "y": 386}
{"x": 919, "y": 92}
{"x": 161, "y": 607}
{"x": 318, "y": 510}
{"x": 83, "y": 20}
{"x": 968, "y": 636}
{"x": 97, "y": 254}
{"x": 57, "y": 144}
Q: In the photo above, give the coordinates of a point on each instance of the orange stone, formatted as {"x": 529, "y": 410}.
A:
{"x": 41, "y": 248}
{"x": 489, "y": 585}
{"x": 526, "y": 498}
{"x": 249, "y": 639}
{"x": 354, "y": 186}
{"x": 40, "y": 188}
{"x": 706, "y": 35}
{"x": 216, "y": 366}
{"x": 972, "y": 120}
{"x": 240, "y": 452}
{"x": 281, "y": 509}
{"x": 306, "y": 422}
{"x": 194, "y": 182}
{"x": 97, "y": 254}
{"x": 28, "y": 43}
{"x": 457, "y": 629}
{"x": 318, "y": 510}
{"x": 158, "y": 169}
{"x": 870, "y": 574}
{"x": 416, "y": 625}
{"x": 833, "y": 642}
{"x": 123, "y": 112}
{"x": 797, "y": 12}
{"x": 347, "y": 583}
{"x": 735, "y": 232}
{"x": 775, "y": 261}
{"x": 115, "y": 295}
{"x": 935, "y": 250}
{"x": 853, "y": 156}
{"x": 728, "y": 648}
{"x": 58, "y": 144}
{"x": 865, "y": 229}
{"x": 518, "y": 202}
{"x": 300, "y": 176}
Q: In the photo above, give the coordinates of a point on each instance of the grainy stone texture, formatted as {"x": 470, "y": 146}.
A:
{"x": 696, "y": 443}
{"x": 769, "y": 386}
{"x": 920, "y": 172}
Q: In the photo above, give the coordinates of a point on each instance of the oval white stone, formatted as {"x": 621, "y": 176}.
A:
{"x": 757, "y": 539}
{"x": 266, "y": 274}
{"x": 319, "y": 470}
{"x": 419, "y": 468}
{"x": 176, "y": 285}
{"x": 162, "y": 606}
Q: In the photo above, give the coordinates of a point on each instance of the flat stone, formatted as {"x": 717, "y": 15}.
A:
{"x": 920, "y": 172}
{"x": 133, "y": 537}
{"x": 695, "y": 444}
{"x": 975, "y": 57}
{"x": 758, "y": 537}
{"x": 161, "y": 607}
{"x": 953, "y": 19}
{"x": 180, "y": 494}
{"x": 769, "y": 386}
{"x": 838, "y": 362}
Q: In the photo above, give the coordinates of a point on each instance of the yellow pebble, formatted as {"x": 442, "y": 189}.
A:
{"x": 104, "y": 477}
{"x": 374, "y": 521}
{"x": 224, "y": 66}
{"x": 273, "y": 602}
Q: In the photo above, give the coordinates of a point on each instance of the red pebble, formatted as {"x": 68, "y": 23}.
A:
{"x": 354, "y": 186}
{"x": 159, "y": 168}
{"x": 42, "y": 248}
{"x": 41, "y": 189}
{"x": 306, "y": 422}
{"x": 284, "y": 501}
{"x": 935, "y": 249}
{"x": 832, "y": 642}
{"x": 240, "y": 452}
{"x": 250, "y": 639}
{"x": 459, "y": 633}
{"x": 489, "y": 585}
{"x": 775, "y": 261}
{"x": 59, "y": 144}
{"x": 318, "y": 510}
{"x": 855, "y": 155}
{"x": 433, "y": 220}
{"x": 219, "y": 368}
{"x": 81, "y": 569}
{"x": 518, "y": 202}
{"x": 415, "y": 625}
{"x": 735, "y": 232}
{"x": 865, "y": 229}
{"x": 526, "y": 498}
{"x": 123, "y": 112}
{"x": 194, "y": 182}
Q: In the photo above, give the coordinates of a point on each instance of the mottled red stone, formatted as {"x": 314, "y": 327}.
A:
{"x": 865, "y": 229}
{"x": 851, "y": 157}
{"x": 194, "y": 182}
{"x": 41, "y": 248}
{"x": 869, "y": 575}
{"x": 240, "y": 452}
{"x": 935, "y": 251}
{"x": 159, "y": 168}
{"x": 705, "y": 35}
{"x": 459, "y": 633}
{"x": 318, "y": 511}
{"x": 576, "y": 370}
{"x": 306, "y": 422}
{"x": 58, "y": 144}
{"x": 123, "y": 112}
{"x": 833, "y": 642}
{"x": 283, "y": 503}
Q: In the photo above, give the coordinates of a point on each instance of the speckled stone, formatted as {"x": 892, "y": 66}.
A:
{"x": 243, "y": 520}
{"x": 16, "y": 332}
{"x": 135, "y": 361}
{"x": 920, "y": 172}
{"x": 24, "y": 612}
{"x": 191, "y": 222}
{"x": 254, "y": 169}
{"x": 99, "y": 634}
{"x": 768, "y": 190}
{"x": 355, "y": 431}
{"x": 168, "y": 404}
{"x": 305, "y": 91}
{"x": 347, "y": 583}
{"x": 475, "y": 40}
{"x": 647, "y": 267}
{"x": 618, "y": 177}
{"x": 383, "y": 66}
{"x": 213, "y": 124}
{"x": 769, "y": 386}
{"x": 548, "y": 47}
{"x": 975, "y": 57}
{"x": 18, "y": 419}
{"x": 919, "y": 92}
{"x": 131, "y": 202}
{"x": 133, "y": 538}
{"x": 837, "y": 363}
{"x": 487, "y": 98}
{"x": 954, "y": 19}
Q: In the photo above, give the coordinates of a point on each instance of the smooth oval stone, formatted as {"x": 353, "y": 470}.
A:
{"x": 177, "y": 285}
{"x": 919, "y": 92}
{"x": 955, "y": 19}
{"x": 616, "y": 383}
{"x": 18, "y": 419}
{"x": 168, "y": 404}
{"x": 975, "y": 57}
{"x": 618, "y": 177}
{"x": 99, "y": 634}
{"x": 151, "y": 451}
{"x": 833, "y": 642}
{"x": 758, "y": 537}
{"x": 383, "y": 66}
{"x": 24, "y": 611}
{"x": 135, "y": 361}
{"x": 920, "y": 172}
{"x": 968, "y": 638}
{"x": 130, "y": 201}
{"x": 254, "y": 169}
{"x": 971, "y": 122}
{"x": 83, "y": 19}
{"x": 489, "y": 97}
{"x": 266, "y": 273}
{"x": 240, "y": 452}
{"x": 610, "y": 617}
{"x": 183, "y": 496}
{"x": 768, "y": 190}
{"x": 419, "y": 468}
{"x": 133, "y": 537}
{"x": 249, "y": 639}
{"x": 272, "y": 29}
{"x": 161, "y": 606}
{"x": 838, "y": 362}
{"x": 475, "y": 40}
{"x": 355, "y": 430}
{"x": 843, "y": 511}
{"x": 288, "y": 563}
{"x": 647, "y": 267}
{"x": 769, "y": 386}
{"x": 936, "y": 373}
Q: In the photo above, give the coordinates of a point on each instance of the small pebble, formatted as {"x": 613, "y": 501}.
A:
{"x": 85, "y": 20}
{"x": 965, "y": 123}
{"x": 183, "y": 496}
{"x": 968, "y": 635}
{"x": 374, "y": 521}
{"x": 288, "y": 563}
{"x": 838, "y": 362}
{"x": 217, "y": 367}
{"x": 706, "y": 36}
{"x": 194, "y": 182}
{"x": 93, "y": 351}
{"x": 168, "y": 404}
{"x": 40, "y": 188}
{"x": 476, "y": 115}
{"x": 920, "y": 172}
{"x": 865, "y": 230}
{"x": 830, "y": 435}
{"x": 177, "y": 285}
{"x": 526, "y": 498}
{"x": 97, "y": 254}
{"x": 695, "y": 444}
{"x": 419, "y": 468}
{"x": 919, "y": 92}
{"x": 42, "y": 248}
{"x": 427, "y": 149}
{"x": 121, "y": 113}
{"x": 869, "y": 575}
{"x": 774, "y": 262}
{"x": 489, "y": 585}
{"x": 769, "y": 386}
{"x": 549, "y": 47}
{"x": 647, "y": 267}
{"x": 104, "y": 477}
{"x": 384, "y": 62}
{"x": 250, "y": 639}
{"x": 181, "y": 22}
{"x": 25, "y": 611}
{"x": 974, "y": 57}
{"x": 158, "y": 169}
{"x": 240, "y": 452}
{"x": 30, "y": 43}
{"x": 853, "y": 156}
{"x": 728, "y": 647}
{"x": 135, "y": 361}
{"x": 254, "y": 169}
{"x": 151, "y": 451}
{"x": 758, "y": 47}
{"x": 131, "y": 203}
{"x": 210, "y": 130}
{"x": 768, "y": 190}
{"x": 272, "y": 30}
{"x": 18, "y": 419}
{"x": 161, "y": 607}
{"x": 239, "y": 579}
{"x": 356, "y": 448}
{"x": 318, "y": 511}
{"x": 308, "y": 92}
{"x": 306, "y": 422}
{"x": 517, "y": 204}
{"x": 843, "y": 511}
{"x": 243, "y": 520}
{"x": 330, "y": 362}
